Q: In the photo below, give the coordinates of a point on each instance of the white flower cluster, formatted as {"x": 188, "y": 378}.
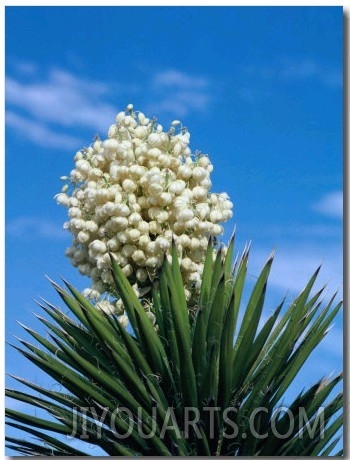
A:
{"x": 130, "y": 194}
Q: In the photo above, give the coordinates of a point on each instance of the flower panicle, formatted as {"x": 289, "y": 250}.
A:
{"x": 131, "y": 194}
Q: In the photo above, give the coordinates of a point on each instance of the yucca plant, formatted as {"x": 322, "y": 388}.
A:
{"x": 206, "y": 380}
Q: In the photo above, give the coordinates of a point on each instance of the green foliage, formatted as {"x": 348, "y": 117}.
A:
{"x": 229, "y": 372}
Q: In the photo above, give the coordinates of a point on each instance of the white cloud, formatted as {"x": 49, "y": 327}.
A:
{"x": 31, "y": 227}
{"x": 180, "y": 104}
{"x": 305, "y": 69}
{"x": 174, "y": 78}
{"x": 291, "y": 270}
{"x": 293, "y": 267}
{"x": 25, "y": 67}
{"x": 331, "y": 205}
{"x": 63, "y": 99}
{"x": 333, "y": 343}
{"x": 178, "y": 93}
{"x": 298, "y": 69}
{"x": 42, "y": 104}
{"x": 296, "y": 231}
{"x": 40, "y": 134}
{"x": 252, "y": 95}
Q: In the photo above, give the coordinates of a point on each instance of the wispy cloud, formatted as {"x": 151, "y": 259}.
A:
{"x": 49, "y": 109}
{"x": 34, "y": 227}
{"x": 37, "y": 132}
{"x": 252, "y": 95}
{"x": 307, "y": 68}
{"x": 62, "y": 98}
{"x": 24, "y": 67}
{"x": 333, "y": 342}
{"x": 288, "y": 69}
{"x": 330, "y": 205}
{"x": 296, "y": 231}
{"x": 175, "y": 78}
{"x": 293, "y": 267}
{"x": 291, "y": 270}
{"x": 179, "y": 93}
{"x": 179, "y": 104}
{"x": 42, "y": 105}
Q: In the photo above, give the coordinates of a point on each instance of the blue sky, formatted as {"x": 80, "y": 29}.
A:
{"x": 260, "y": 89}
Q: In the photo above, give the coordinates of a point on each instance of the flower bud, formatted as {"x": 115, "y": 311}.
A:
{"x": 127, "y": 270}
{"x": 162, "y": 244}
{"x": 151, "y": 317}
{"x": 124, "y": 320}
{"x": 154, "y": 140}
{"x": 152, "y": 262}
{"x": 133, "y": 234}
{"x": 120, "y": 116}
{"x": 128, "y": 250}
{"x": 83, "y": 237}
{"x": 129, "y": 185}
{"x": 177, "y": 187}
{"x": 139, "y": 258}
{"x": 106, "y": 307}
{"x": 141, "y": 275}
{"x": 63, "y": 199}
{"x": 185, "y": 215}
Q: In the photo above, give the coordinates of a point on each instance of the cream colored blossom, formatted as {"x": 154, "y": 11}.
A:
{"x": 106, "y": 307}
{"x": 124, "y": 320}
{"x": 130, "y": 195}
